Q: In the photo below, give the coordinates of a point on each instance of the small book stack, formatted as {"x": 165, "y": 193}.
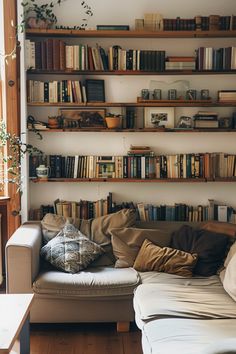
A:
{"x": 206, "y": 119}
{"x": 180, "y": 63}
{"x": 226, "y": 96}
{"x": 140, "y": 150}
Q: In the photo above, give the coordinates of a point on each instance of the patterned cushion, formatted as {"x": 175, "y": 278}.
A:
{"x": 97, "y": 230}
{"x": 70, "y": 250}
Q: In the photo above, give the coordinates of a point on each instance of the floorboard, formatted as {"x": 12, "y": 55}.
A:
{"x": 83, "y": 339}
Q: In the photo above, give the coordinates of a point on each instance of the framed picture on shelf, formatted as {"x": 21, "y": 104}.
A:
{"x": 95, "y": 90}
{"x": 155, "y": 117}
{"x": 82, "y": 118}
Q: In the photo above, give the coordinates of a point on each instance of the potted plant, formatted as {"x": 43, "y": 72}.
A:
{"x": 38, "y": 16}
{"x": 42, "y": 16}
{"x": 113, "y": 120}
{"x": 10, "y": 167}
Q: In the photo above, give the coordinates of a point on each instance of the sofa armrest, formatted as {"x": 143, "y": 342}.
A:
{"x": 23, "y": 258}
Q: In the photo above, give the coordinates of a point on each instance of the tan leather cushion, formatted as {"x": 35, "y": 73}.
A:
{"x": 97, "y": 230}
{"x": 126, "y": 243}
{"x": 166, "y": 259}
{"x": 220, "y": 228}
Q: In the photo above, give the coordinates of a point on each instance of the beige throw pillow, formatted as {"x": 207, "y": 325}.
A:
{"x": 166, "y": 259}
{"x": 97, "y": 230}
{"x": 126, "y": 243}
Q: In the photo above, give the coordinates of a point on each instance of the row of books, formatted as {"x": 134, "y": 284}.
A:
{"x": 209, "y": 58}
{"x": 200, "y": 23}
{"x": 82, "y": 57}
{"x": 184, "y": 212}
{"x": 192, "y": 165}
{"x": 65, "y": 91}
{"x": 85, "y": 209}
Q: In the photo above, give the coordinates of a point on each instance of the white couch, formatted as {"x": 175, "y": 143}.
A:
{"x": 185, "y": 316}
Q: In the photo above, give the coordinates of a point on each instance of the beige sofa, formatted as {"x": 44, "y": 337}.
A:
{"x": 100, "y": 293}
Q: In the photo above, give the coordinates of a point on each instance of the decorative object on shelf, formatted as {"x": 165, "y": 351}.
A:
{"x": 155, "y": 117}
{"x": 54, "y": 122}
{"x": 38, "y": 16}
{"x": 43, "y": 171}
{"x": 172, "y": 94}
{"x": 10, "y": 168}
{"x": 36, "y": 125}
{"x": 226, "y": 122}
{"x": 191, "y": 95}
{"x": 185, "y": 122}
{"x": 83, "y": 118}
{"x": 204, "y": 94}
{"x": 42, "y": 16}
{"x": 145, "y": 94}
{"x": 156, "y": 95}
{"x": 180, "y": 86}
{"x": 113, "y": 121}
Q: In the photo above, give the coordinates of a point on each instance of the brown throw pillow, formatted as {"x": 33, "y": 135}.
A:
{"x": 220, "y": 228}
{"x": 126, "y": 243}
{"x": 166, "y": 259}
{"x": 97, "y": 230}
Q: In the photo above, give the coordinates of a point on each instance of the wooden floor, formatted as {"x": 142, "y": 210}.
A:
{"x": 99, "y": 338}
{"x": 83, "y": 339}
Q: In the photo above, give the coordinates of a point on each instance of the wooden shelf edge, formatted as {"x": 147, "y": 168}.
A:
{"x": 129, "y": 72}
{"x": 128, "y": 34}
{"x": 135, "y": 104}
{"x": 134, "y": 180}
{"x": 136, "y": 130}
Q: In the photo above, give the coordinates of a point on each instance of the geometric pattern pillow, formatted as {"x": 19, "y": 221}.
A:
{"x": 70, "y": 250}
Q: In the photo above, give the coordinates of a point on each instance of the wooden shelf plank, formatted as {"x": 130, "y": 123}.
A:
{"x": 137, "y": 104}
{"x": 127, "y": 34}
{"x": 136, "y": 130}
{"x": 129, "y": 72}
{"x": 133, "y": 180}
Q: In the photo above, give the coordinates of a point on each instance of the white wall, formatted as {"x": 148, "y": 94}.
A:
{"x": 126, "y": 89}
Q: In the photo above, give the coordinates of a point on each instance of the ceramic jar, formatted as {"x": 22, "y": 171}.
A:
{"x": 42, "y": 172}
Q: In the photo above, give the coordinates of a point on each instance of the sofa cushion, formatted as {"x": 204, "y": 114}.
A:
{"x": 126, "y": 243}
{"x": 209, "y": 246}
{"x": 91, "y": 283}
{"x": 153, "y": 301}
{"x": 97, "y": 229}
{"x": 164, "y": 259}
{"x": 70, "y": 250}
{"x": 188, "y": 336}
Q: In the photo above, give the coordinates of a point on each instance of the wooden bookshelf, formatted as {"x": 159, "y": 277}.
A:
{"x": 30, "y": 33}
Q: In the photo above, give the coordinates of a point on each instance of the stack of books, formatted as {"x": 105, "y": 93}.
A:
{"x": 140, "y": 150}
{"x": 206, "y": 119}
{"x": 180, "y": 63}
{"x": 227, "y": 96}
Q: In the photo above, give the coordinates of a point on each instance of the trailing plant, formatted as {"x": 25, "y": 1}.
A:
{"x": 10, "y": 169}
{"x": 44, "y": 12}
